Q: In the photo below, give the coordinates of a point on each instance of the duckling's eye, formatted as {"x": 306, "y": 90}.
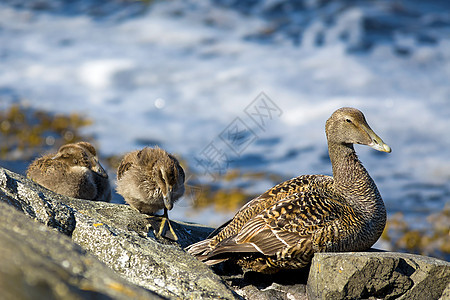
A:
{"x": 348, "y": 120}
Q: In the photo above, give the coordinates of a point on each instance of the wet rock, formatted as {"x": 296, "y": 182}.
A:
{"x": 384, "y": 275}
{"x": 38, "y": 262}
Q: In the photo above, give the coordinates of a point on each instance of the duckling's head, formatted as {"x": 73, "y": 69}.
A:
{"x": 170, "y": 179}
{"x": 348, "y": 126}
{"x": 165, "y": 170}
{"x": 80, "y": 154}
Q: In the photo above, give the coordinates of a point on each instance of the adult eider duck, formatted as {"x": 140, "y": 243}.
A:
{"x": 73, "y": 171}
{"x": 285, "y": 226}
{"x": 149, "y": 180}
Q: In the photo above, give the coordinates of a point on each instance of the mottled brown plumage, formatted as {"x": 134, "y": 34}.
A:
{"x": 73, "y": 171}
{"x": 149, "y": 180}
{"x": 285, "y": 226}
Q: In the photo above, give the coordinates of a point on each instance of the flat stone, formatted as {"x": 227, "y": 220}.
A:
{"x": 385, "y": 275}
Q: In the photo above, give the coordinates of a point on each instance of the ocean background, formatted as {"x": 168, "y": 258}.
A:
{"x": 186, "y": 75}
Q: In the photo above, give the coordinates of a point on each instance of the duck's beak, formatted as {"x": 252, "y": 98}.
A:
{"x": 377, "y": 143}
{"x": 381, "y": 147}
{"x": 168, "y": 199}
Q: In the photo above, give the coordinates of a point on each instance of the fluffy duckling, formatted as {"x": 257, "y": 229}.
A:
{"x": 73, "y": 171}
{"x": 149, "y": 180}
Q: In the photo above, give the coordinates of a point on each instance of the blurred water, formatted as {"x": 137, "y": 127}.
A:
{"x": 184, "y": 74}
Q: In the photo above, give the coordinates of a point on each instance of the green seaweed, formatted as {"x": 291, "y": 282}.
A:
{"x": 432, "y": 240}
{"x": 27, "y": 132}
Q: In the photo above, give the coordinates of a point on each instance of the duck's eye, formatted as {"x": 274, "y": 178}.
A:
{"x": 348, "y": 120}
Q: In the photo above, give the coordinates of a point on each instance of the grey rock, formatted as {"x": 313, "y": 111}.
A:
{"x": 124, "y": 245}
{"x": 385, "y": 275}
{"x": 37, "y": 262}
{"x": 119, "y": 236}
{"x": 36, "y": 201}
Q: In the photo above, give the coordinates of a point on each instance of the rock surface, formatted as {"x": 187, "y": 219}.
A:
{"x": 40, "y": 263}
{"x": 383, "y": 275}
{"x": 36, "y": 201}
{"x": 122, "y": 242}
{"x": 38, "y": 260}
{"x": 119, "y": 237}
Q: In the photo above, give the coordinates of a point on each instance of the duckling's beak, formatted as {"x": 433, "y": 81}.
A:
{"x": 168, "y": 199}
{"x": 377, "y": 143}
{"x": 97, "y": 168}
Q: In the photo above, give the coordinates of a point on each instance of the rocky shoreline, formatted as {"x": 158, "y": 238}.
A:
{"x": 54, "y": 247}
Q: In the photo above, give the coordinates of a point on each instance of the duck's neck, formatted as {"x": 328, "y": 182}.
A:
{"x": 352, "y": 180}
{"x": 353, "y": 185}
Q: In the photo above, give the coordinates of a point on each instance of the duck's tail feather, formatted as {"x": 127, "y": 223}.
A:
{"x": 201, "y": 250}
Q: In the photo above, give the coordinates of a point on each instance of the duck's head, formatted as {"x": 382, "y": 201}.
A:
{"x": 169, "y": 177}
{"x": 348, "y": 126}
{"x": 80, "y": 154}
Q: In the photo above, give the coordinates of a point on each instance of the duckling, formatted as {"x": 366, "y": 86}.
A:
{"x": 73, "y": 171}
{"x": 149, "y": 180}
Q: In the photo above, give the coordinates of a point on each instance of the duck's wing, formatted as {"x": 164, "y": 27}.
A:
{"x": 291, "y": 222}
{"x": 230, "y": 228}
{"x": 285, "y": 191}
{"x": 250, "y": 218}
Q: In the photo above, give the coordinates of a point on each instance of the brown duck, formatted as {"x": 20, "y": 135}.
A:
{"x": 285, "y": 226}
{"x": 149, "y": 180}
{"x": 73, "y": 171}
